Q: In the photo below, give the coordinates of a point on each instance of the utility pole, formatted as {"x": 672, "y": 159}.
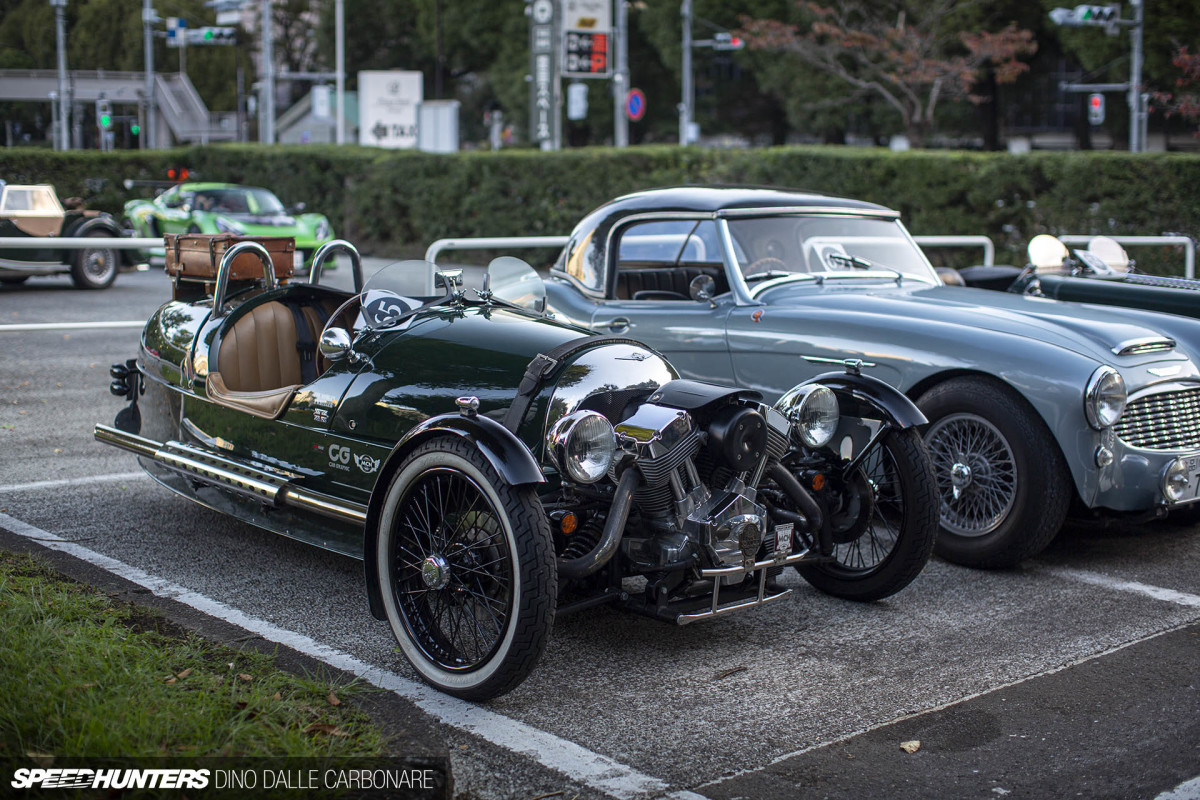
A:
{"x": 620, "y": 84}
{"x": 1137, "y": 116}
{"x": 339, "y": 16}
{"x": 60, "y": 25}
{"x": 267, "y": 131}
{"x": 148, "y": 20}
{"x": 689, "y": 97}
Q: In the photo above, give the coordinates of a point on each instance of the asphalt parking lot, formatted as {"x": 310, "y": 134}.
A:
{"x": 1076, "y": 674}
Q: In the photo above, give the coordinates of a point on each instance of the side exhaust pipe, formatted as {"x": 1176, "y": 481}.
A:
{"x": 231, "y": 475}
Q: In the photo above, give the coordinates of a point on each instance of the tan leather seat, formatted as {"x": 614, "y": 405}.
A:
{"x": 258, "y": 364}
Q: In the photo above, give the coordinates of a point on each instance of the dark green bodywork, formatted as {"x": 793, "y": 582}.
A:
{"x": 339, "y": 431}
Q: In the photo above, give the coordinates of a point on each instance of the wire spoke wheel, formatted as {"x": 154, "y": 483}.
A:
{"x": 465, "y": 569}
{"x": 883, "y": 519}
{"x": 976, "y": 473}
{"x": 452, "y": 569}
{"x": 95, "y": 267}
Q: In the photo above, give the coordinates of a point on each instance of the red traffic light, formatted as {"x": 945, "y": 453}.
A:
{"x": 736, "y": 43}
{"x": 1096, "y": 101}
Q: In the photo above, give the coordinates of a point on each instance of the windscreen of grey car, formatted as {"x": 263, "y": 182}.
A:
{"x": 814, "y": 245}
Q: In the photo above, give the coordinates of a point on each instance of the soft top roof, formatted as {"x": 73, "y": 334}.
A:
{"x": 715, "y": 198}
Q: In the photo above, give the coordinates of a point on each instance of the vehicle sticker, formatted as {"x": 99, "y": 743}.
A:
{"x": 366, "y": 463}
{"x": 756, "y": 316}
{"x": 320, "y": 415}
{"x": 339, "y": 457}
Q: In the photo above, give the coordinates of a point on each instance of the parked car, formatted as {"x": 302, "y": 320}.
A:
{"x": 1032, "y": 403}
{"x": 1101, "y": 274}
{"x": 34, "y": 211}
{"x": 193, "y": 207}
{"x": 494, "y": 468}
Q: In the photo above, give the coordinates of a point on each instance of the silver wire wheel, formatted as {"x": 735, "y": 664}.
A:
{"x": 95, "y": 267}
{"x": 976, "y": 473}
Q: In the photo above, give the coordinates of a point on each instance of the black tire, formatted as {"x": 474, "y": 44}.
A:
{"x": 891, "y": 546}
{"x": 13, "y": 281}
{"x": 455, "y": 541}
{"x": 95, "y": 267}
{"x": 1013, "y": 485}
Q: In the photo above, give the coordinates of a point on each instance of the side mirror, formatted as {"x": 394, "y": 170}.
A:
{"x": 702, "y": 288}
{"x": 335, "y": 344}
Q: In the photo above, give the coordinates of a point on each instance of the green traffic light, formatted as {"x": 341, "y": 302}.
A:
{"x": 105, "y": 121}
{"x": 208, "y": 35}
{"x": 135, "y": 129}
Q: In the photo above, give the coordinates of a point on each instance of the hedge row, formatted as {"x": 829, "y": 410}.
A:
{"x": 401, "y": 201}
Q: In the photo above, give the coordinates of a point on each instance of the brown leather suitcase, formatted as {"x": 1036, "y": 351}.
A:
{"x": 196, "y": 256}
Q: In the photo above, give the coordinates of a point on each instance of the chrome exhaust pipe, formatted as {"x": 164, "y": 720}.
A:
{"x": 227, "y": 474}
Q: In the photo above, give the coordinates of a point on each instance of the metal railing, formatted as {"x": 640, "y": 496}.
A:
{"x": 77, "y": 242}
{"x": 490, "y": 242}
{"x": 989, "y": 249}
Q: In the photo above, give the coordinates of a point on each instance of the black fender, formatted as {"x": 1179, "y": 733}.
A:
{"x": 856, "y": 391}
{"x": 500, "y": 446}
{"x": 102, "y": 224}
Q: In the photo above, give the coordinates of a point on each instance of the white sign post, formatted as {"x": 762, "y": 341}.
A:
{"x": 388, "y": 102}
{"x": 587, "y": 38}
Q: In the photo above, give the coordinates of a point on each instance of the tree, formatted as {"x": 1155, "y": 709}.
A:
{"x": 1187, "y": 102}
{"x": 909, "y": 53}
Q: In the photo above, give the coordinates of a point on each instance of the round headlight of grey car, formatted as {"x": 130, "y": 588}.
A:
{"x": 583, "y": 445}
{"x": 813, "y": 411}
{"x": 1104, "y": 401}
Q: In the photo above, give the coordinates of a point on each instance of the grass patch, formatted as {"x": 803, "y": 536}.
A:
{"x": 82, "y": 675}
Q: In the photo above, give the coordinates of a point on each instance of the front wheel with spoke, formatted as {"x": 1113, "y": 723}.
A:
{"x": 883, "y": 518}
{"x": 465, "y": 565}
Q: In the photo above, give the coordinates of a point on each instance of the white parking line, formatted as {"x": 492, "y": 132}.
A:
{"x": 70, "y": 326}
{"x": 576, "y": 762}
{"x": 1108, "y": 582}
{"x": 36, "y": 485}
{"x": 1188, "y": 790}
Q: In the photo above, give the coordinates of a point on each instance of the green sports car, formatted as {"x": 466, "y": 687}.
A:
{"x": 228, "y": 208}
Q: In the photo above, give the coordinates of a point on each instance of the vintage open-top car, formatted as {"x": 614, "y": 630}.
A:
{"x": 493, "y": 467}
{"x": 1102, "y": 274}
{"x": 208, "y": 207}
{"x": 1033, "y": 404}
{"x": 35, "y": 212}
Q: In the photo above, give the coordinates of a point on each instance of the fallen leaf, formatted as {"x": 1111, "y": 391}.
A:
{"x": 58, "y": 449}
{"x": 333, "y": 699}
{"x": 172, "y": 679}
{"x": 185, "y": 673}
{"x": 277, "y": 696}
{"x": 321, "y": 727}
{"x": 911, "y": 746}
{"x": 726, "y": 673}
{"x": 245, "y": 677}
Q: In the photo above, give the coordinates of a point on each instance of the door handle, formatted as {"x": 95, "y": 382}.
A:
{"x": 616, "y": 325}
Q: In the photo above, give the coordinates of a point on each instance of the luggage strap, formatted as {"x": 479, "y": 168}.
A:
{"x": 306, "y": 346}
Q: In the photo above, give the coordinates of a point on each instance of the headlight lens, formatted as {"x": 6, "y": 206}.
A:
{"x": 583, "y": 445}
{"x": 225, "y": 226}
{"x": 324, "y": 231}
{"x": 1104, "y": 401}
{"x": 1175, "y": 481}
{"x": 813, "y": 411}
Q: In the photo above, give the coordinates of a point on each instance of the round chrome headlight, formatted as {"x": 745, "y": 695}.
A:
{"x": 1104, "y": 401}
{"x": 813, "y": 411}
{"x": 1175, "y": 481}
{"x": 583, "y": 444}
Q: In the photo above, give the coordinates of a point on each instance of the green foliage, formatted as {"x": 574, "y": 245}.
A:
{"x": 402, "y": 201}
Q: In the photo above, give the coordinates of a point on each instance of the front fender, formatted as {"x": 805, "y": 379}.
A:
{"x": 503, "y": 450}
{"x": 862, "y": 394}
{"x": 89, "y": 225}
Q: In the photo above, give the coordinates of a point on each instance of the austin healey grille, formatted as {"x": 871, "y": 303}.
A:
{"x": 1163, "y": 421}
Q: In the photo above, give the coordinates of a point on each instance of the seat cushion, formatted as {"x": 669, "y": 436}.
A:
{"x": 259, "y": 353}
{"x": 268, "y": 404}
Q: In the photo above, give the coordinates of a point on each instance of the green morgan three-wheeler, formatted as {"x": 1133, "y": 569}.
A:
{"x": 494, "y": 468}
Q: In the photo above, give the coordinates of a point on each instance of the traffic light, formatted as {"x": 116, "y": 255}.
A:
{"x": 104, "y": 114}
{"x": 134, "y": 128}
{"x": 210, "y": 35}
{"x": 1096, "y": 109}
{"x": 727, "y": 41}
{"x": 1086, "y": 15}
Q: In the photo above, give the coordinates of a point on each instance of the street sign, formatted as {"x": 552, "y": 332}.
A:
{"x": 322, "y": 101}
{"x": 176, "y": 32}
{"x": 543, "y": 114}
{"x": 1096, "y": 109}
{"x": 577, "y": 101}
{"x": 635, "y": 105}
{"x": 587, "y": 38}
{"x": 388, "y": 101}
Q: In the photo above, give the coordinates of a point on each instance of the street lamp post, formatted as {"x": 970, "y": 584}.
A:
{"x": 267, "y": 131}
{"x": 689, "y": 99}
{"x": 148, "y": 20}
{"x": 60, "y": 25}
{"x": 339, "y": 16}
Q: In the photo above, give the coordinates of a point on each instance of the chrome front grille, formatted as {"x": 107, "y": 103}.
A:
{"x": 1163, "y": 421}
